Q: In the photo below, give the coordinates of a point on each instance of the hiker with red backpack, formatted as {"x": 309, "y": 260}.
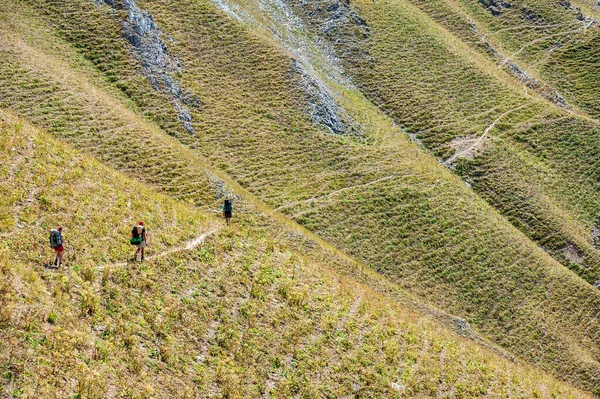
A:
{"x": 56, "y": 243}
{"x": 139, "y": 239}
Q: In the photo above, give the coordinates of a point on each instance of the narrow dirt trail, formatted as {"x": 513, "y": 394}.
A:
{"x": 351, "y": 312}
{"x": 339, "y": 191}
{"x": 188, "y": 246}
{"x": 478, "y": 142}
{"x": 535, "y": 41}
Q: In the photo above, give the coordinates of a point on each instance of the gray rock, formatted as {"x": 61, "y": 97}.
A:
{"x": 322, "y": 107}
{"x": 534, "y": 84}
{"x": 565, "y": 3}
{"x": 496, "y": 7}
{"x": 184, "y": 116}
{"x": 463, "y": 327}
{"x": 133, "y": 38}
{"x": 531, "y": 16}
{"x": 596, "y": 233}
{"x": 159, "y": 66}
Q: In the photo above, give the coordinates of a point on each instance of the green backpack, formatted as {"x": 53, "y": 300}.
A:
{"x": 136, "y": 238}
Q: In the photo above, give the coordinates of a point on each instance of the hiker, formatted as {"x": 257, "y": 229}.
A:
{"x": 139, "y": 239}
{"x": 56, "y": 242}
{"x": 227, "y": 210}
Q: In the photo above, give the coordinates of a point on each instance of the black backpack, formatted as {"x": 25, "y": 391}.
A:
{"x": 227, "y": 206}
{"x": 55, "y": 238}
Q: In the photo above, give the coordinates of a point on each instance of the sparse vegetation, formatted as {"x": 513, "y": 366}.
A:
{"x": 383, "y": 200}
{"x": 244, "y": 315}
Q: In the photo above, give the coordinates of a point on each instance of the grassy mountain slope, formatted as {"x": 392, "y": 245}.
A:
{"x": 384, "y": 201}
{"x": 460, "y": 104}
{"x": 322, "y": 212}
{"x": 44, "y": 185}
{"x": 76, "y": 106}
{"x": 243, "y": 315}
{"x": 550, "y": 43}
{"x": 572, "y": 70}
{"x": 550, "y": 40}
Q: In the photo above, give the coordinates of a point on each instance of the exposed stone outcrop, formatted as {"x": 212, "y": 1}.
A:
{"x": 340, "y": 24}
{"x": 345, "y": 35}
{"x": 159, "y": 66}
{"x": 322, "y": 107}
{"x": 528, "y": 14}
{"x": 290, "y": 29}
{"x": 596, "y": 234}
{"x": 536, "y": 85}
{"x": 572, "y": 254}
{"x": 496, "y": 7}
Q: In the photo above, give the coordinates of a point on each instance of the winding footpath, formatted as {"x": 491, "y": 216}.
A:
{"x": 188, "y": 246}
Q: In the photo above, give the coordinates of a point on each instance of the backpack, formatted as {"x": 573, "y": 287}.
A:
{"x": 55, "y": 238}
{"x": 227, "y": 206}
{"x": 136, "y": 238}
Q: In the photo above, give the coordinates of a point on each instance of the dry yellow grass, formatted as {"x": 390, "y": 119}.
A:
{"x": 250, "y": 312}
{"x": 385, "y": 202}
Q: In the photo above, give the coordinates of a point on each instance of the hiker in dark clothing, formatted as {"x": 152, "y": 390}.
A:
{"x": 56, "y": 242}
{"x": 139, "y": 239}
{"x": 227, "y": 210}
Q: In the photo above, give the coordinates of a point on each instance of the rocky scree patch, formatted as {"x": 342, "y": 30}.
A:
{"x": 336, "y": 25}
{"x": 316, "y": 96}
{"x": 496, "y": 7}
{"x": 340, "y": 24}
{"x": 158, "y": 65}
{"x": 320, "y": 104}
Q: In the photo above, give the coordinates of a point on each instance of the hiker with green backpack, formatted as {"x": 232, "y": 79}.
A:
{"x": 139, "y": 239}
{"x": 56, "y": 243}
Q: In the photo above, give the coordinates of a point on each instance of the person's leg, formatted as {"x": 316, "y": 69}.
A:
{"x": 142, "y": 253}
{"x": 56, "y": 259}
{"x": 136, "y": 253}
{"x": 59, "y": 255}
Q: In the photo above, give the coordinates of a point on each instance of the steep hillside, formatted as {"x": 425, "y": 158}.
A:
{"x": 45, "y": 185}
{"x": 449, "y": 84}
{"x": 369, "y": 190}
{"x": 573, "y": 70}
{"x": 538, "y": 42}
{"x": 75, "y": 104}
{"x": 242, "y": 315}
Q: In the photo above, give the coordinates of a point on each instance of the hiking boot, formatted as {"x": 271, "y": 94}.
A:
{"x": 142, "y": 259}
